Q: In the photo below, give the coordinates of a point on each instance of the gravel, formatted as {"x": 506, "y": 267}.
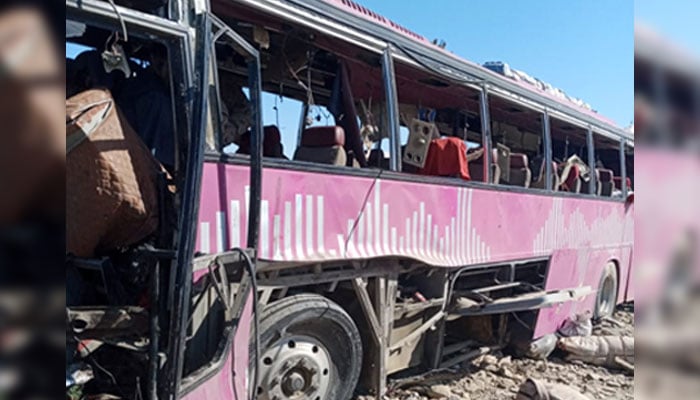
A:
{"x": 498, "y": 376}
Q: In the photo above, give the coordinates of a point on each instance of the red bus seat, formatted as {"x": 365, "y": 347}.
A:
{"x": 322, "y": 144}
{"x": 571, "y": 180}
{"x": 618, "y": 182}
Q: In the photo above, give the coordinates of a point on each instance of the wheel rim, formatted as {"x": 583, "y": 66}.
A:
{"x": 295, "y": 368}
{"x": 606, "y": 297}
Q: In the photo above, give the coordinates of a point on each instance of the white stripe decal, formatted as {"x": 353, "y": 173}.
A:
{"x": 407, "y": 238}
{"x": 377, "y": 216}
{"x": 235, "y": 227}
{"x": 414, "y": 238}
{"x": 288, "y": 231}
{"x": 204, "y": 237}
{"x": 309, "y": 225}
{"x": 298, "y": 225}
{"x": 220, "y": 231}
{"x": 264, "y": 229}
{"x": 394, "y": 248}
{"x": 460, "y": 223}
{"x": 247, "y": 210}
{"x": 428, "y": 242}
{"x": 421, "y": 230}
{"x": 319, "y": 224}
{"x": 453, "y": 243}
{"x": 276, "y": 238}
{"x": 359, "y": 234}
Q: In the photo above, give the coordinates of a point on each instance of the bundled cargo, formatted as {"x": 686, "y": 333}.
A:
{"x": 112, "y": 178}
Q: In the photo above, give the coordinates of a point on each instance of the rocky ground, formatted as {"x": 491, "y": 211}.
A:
{"x": 498, "y": 376}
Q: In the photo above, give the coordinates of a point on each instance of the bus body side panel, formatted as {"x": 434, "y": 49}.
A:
{"x": 309, "y": 217}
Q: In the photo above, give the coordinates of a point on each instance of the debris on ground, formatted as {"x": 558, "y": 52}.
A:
{"x": 498, "y": 376}
{"x": 606, "y": 351}
{"x": 534, "y": 389}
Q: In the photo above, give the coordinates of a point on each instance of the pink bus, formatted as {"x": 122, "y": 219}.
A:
{"x": 425, "y": 209}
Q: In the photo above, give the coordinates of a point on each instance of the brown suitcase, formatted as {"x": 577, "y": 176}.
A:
{"x": 112, "y": 178}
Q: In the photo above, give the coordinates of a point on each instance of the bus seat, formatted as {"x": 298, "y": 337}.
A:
{"x": 605, "y": 182}
{"x": 520, "y": 174}
{"x": 618, "y": 182}
{"x": 322, "y": 144}
{"x": 272, "y": 143}
{"x": 476, "y": 171}
{"x": 570, "y": 178}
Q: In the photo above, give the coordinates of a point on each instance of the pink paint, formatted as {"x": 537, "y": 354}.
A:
{"x": 314, "y": 217}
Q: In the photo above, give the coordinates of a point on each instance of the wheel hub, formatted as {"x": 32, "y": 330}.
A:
{"x": 294, "y": 368}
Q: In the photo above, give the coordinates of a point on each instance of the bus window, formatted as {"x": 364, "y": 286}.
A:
{"x": 440, "y": 131}
{"x": 572, "y": 172}
{"x": 231, "y": 112}
{"x": 305, "y": 72}
{"x": 608, "y": 166}
{"x": 518, "y": 145}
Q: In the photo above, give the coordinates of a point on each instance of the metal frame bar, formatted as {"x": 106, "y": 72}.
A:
{"x": 485, "y": 116}
{"x": 593, "y": 183}
{"x": 189, "y": 211}
{"x": 360, "y": 286}
{"x": 392, "y": 104}
{"x": 546, "y": 132}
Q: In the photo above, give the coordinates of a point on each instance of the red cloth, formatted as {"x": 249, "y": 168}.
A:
{"x": 447, "y": 157}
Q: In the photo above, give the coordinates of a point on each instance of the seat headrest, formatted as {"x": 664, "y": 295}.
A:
{"x": 605, "y": 175}
{"x": 518, "y": 160}
{"x": 323, "y": 136}
{"x": 271, "y": 142}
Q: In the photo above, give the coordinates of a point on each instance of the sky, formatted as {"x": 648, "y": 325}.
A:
{"x": 584, "y": 47}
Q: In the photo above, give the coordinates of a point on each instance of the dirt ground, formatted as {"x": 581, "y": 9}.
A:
{"x": 497, "y": 376}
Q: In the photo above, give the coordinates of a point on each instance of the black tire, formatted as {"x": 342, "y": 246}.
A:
{"x": 606, "y": 298}
{"x": 307, "y": 342}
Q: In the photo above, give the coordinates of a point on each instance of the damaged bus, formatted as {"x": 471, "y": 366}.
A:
{"x": 424, "y": 209}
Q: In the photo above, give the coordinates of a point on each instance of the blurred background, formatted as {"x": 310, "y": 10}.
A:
{"x": 32, "y": 198}
{"x": 667, "y": 199}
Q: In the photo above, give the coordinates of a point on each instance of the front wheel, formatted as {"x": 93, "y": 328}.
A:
{"x": 310, "y": 349}
{"x": 607, "y": 292}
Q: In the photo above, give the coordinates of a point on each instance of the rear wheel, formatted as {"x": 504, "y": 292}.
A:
{"x": 607, "y": 292}
{"x": 309, "y": 349}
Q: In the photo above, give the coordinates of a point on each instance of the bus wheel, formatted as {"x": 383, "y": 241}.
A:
{"x": 309, "y": 349}
{"x": 607, "y": 292}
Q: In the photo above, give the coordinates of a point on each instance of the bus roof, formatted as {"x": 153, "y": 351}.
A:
{"x": 382, "y": 27}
